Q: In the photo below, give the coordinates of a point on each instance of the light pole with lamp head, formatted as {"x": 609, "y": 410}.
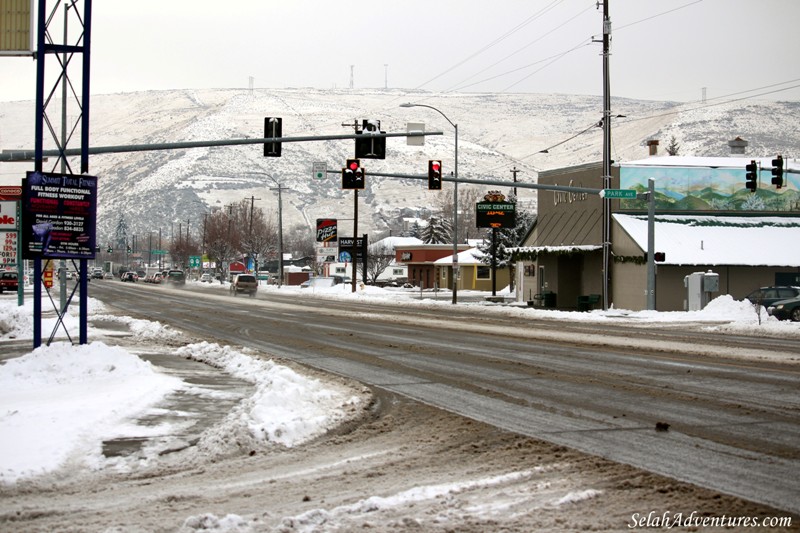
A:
{"x": 455, "y": 199}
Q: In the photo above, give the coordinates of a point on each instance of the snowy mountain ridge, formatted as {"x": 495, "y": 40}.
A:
{"x": 497, "y": 133}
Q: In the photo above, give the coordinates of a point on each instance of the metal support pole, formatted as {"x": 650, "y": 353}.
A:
{"x": 455, "y": 199}
{"x": 651, "y": 247}
{"x": 455, "y": 221}
{"x": 494, "y": 261}
{"x": 355, "y": 240}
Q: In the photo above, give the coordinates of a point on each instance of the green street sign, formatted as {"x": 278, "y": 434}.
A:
{"x": 158, "y": 252}
{"x": 628, "y": 194}
{"x": 194, "y": 261}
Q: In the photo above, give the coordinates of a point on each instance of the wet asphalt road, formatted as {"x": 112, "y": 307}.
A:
{"x": 727, "y": 424}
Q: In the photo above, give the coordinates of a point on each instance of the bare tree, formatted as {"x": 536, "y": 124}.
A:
{"x": 261, "y": 239}
{"x": 222, "y": 238}
{"x": 467, "y": 198}
{"x": 380, "y": 256}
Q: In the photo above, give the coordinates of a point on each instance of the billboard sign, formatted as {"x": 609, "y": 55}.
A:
{"x": 59, "y": 215}
{"x": 707, "y": 188}
{"x": 16, "y": 27}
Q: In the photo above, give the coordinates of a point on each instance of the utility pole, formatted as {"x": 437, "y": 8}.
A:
{"x": 250, "y": 230}
{"x": 280, "y": 189}
{"x": 606, "y": 150}
{"x": 514, "y": 172}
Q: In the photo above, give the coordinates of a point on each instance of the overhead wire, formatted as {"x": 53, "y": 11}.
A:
{"x": 456, "y": 87}
{"x": 493, "y": 43}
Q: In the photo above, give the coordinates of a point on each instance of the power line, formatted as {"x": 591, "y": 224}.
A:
{"x": 518, "y": 50}
{"x": 493, "y": 43}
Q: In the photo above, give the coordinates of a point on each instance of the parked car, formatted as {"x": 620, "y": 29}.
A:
{"x": 244, "y": 283}
{"x": 206, "y": 278}
{"x": 767, "y": 296}
{"x": 786, "y": 309}
{"x": 9, "y": 281}
{"x": 323, "y": 281}
{"x": 129, "y": 276}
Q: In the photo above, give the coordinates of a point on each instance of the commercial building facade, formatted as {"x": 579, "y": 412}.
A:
{"x": 705, "y": 220}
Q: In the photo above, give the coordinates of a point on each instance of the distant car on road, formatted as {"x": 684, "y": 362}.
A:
{"x": 129, "y": 276}
{"x": 97, "y": 273}
{"x": 206, "y": 278}
{"x": 767, "y": 296}
{"x": 9, "y": 281}
{"x": 244, "y": 283}
{"x": 175, "y": 277}
{"x": 786, "y": 309}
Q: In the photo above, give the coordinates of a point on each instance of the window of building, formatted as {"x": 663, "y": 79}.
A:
{"x": 483, "y": 272}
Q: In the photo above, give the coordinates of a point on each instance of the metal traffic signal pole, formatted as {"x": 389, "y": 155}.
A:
{"x": 355, "y": 240}
{"x": 651, "y": 246}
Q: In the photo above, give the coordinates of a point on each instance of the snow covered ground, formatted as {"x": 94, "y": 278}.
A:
{"x": 59, "y": 403}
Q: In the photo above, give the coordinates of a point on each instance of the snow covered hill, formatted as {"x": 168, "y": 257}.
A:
{"x": 497, "y": 132}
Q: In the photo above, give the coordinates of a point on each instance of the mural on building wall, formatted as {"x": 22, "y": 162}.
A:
{"x": 709, "y": 189}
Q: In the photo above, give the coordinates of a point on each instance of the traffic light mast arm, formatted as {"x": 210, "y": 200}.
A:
{"x": 497, "y": 183}
{"x": 28, "y": 155}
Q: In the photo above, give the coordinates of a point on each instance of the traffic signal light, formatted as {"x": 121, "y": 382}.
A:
{"x": 367, "y": 145}
{"x": 659, "y": 257}
{"x": 434, "y": 174}
{"x": 110, "y": 249}
{"x": 353, "y": 175}
{"x": 273, "y": 128}
{"x": 751, "y": 176}
{"x": 777, "y": 172}
{"x": 128, "y": 250}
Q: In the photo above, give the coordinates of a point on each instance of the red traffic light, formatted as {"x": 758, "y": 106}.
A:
{"x": 353, "y": 164}
{"x": 435, "y": 165}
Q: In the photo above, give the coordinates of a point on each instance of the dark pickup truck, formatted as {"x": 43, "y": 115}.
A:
{"x": 8, "y": 281}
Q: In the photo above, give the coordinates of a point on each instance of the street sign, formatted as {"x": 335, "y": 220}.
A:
{"x": 194, "y": 261}
{"x": 319, "y": 170}
{"x": 629, "y": 194}
{"x": 158, "y": 252}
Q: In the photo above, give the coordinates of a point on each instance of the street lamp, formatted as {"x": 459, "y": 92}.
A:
{"x": 455, "y": 199}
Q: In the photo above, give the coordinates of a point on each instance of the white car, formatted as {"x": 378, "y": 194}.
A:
{"x": 206, "y": 278}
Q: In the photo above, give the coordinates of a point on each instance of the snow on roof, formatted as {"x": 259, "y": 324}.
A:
{"x": 559, "y": 249}
{"x": 470, "y": 256}
{"x": 719, "y": 240}
{"x": 399, "y": 241}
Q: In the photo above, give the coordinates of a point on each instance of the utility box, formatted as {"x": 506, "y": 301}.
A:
{"x": 699, "y": 289}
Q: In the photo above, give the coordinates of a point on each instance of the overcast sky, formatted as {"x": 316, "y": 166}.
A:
{"x": 662, "y": 50}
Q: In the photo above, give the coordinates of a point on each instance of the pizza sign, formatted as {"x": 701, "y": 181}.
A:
{"x": 326, "y": 229}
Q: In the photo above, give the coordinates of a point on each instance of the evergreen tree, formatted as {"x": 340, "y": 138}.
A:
{"x": 673, "y": 147}
{"x": 438, "y": 231}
